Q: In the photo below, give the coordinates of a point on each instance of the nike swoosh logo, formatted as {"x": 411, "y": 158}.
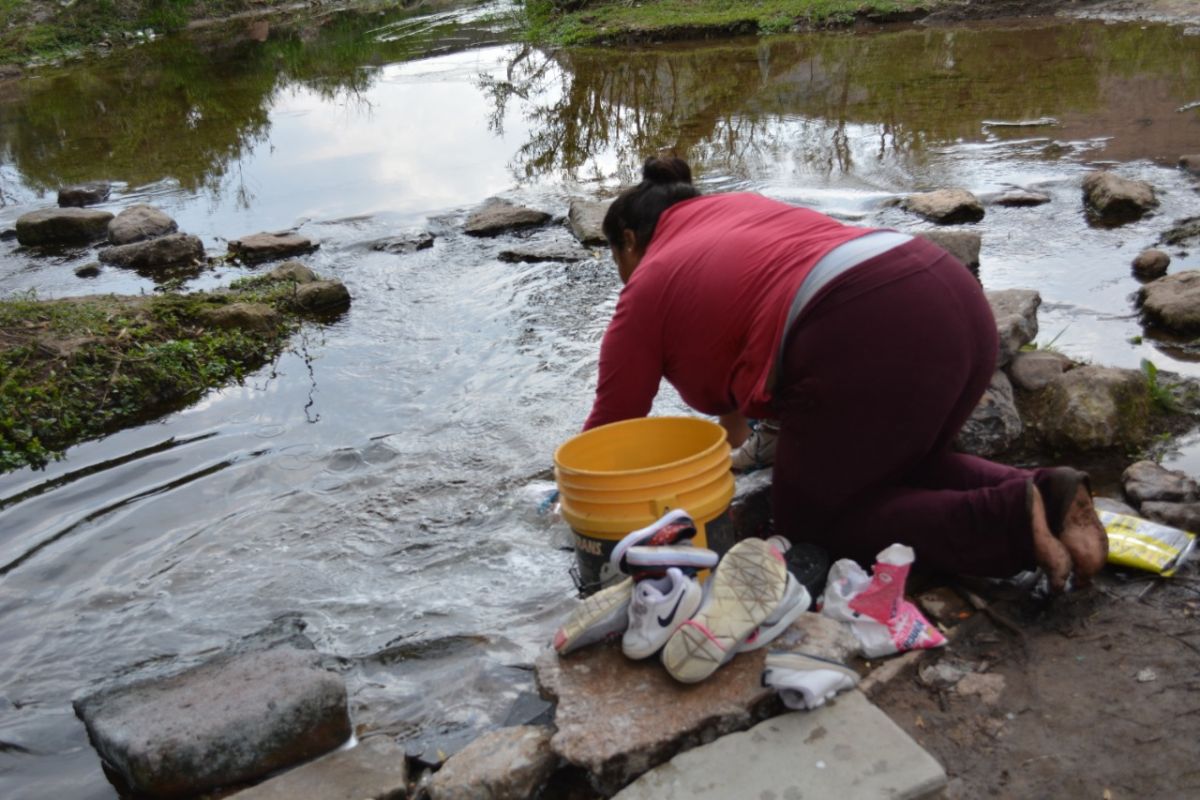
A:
{"x": 667, "y": 621}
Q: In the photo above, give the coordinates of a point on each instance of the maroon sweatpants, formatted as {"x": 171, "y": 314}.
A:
{"x": 879, "y": 373}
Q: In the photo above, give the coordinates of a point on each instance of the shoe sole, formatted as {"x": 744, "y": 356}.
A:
{"x": 796, "y": 600}
{"x": 746, "y": 588}
{"x": 603, "y": 615}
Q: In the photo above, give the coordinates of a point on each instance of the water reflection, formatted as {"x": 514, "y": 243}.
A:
{"x": 829, "y": 103}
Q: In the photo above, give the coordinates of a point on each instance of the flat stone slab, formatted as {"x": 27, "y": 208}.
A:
{"x": 499, "y": 216}
{"x": 945, "y": 206}
{"x": 62, "y": 226}
{"x": 618, "y": 718}
{"x": 536, "y": 253}
{"x": 846, "y": 749}
{"x": 507, "y": 764}
{"x": 963, "y": 245}
{"x": 231, "y": 720}
{"x": 374, "y": 770}
{"x": 586, "y": 218}
{"x": 269, "y": 246}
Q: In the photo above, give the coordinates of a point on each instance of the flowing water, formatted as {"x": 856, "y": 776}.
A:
{"x": 380, "y": 480}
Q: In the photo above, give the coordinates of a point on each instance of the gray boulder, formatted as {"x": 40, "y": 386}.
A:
{"x": 945, "y": 206}
{"x": 994, "y": 426}
{"x": 1094, "y": 408}
{"x": 177, "y": 249}
{"x": 1112, "y": 199}
{"x": 963, "y": 245}
{"x": 617, "y": 718}
{"x": 1190, "y": 163}
{"x": 1182, "y": 232}
{"x": 1146, "y": 481}
{"x": 373, "y": 770}
{"x": 140, "y": 222}
{"x": 231, "y": 720}
{"x": 259, "y": 247}
{"x": 586, "y": 218}
{"x": 507, "y": 764}
{"x": 257, "y": 317}
{"x": 292, "y": 271}
{"x": 62, "y": 226}
{"x": 1019, "y": 198}
{"x": 1173, "y": 302}
{"x": 1033, "y": 370}
{"x": 1185, "y": 516}
{"x": 500, "y": 216}
{"x": 534, "y": 253}
{"x": 88, "y": 270}
{"x": 322, "y": 296}
{"x": 1151, "y": 264}
{"x": 83, "y": 194}
{"x": 1015, "y": 311}
{"x": 402, "y": 245}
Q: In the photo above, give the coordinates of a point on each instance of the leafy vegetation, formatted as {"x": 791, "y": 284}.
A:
{"x": 77, "y": 368}
{"x": 569, "y": 22}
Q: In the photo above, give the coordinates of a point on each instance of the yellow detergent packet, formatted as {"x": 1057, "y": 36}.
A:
{"x": 1142, "y": 544}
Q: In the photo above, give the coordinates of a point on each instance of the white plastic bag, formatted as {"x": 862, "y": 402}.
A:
{"x": 875, "y": 607}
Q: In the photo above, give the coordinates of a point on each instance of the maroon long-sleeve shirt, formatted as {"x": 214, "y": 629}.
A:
{"x": 706, "y": 306}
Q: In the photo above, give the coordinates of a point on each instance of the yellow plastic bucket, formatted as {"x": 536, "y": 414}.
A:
{"x": 623, "y": 476}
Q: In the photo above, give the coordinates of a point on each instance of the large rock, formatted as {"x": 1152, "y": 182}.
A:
{"x": 270, "y": 246}
{"x": 177, "y": 249}
{"x": 1190, "y": 163}
{"x": 257, "y": 317}
{"x": 293, "y": 271}
{"x": 586, "y": 218}
{"x": 507, "y": 764}
{"x": 618, "y": 718}
{"x": 374, "y": 770}
{"x": 1015, "y": 311}
{"x": 1173, "y": 302}
{"x": 140, "y": 222}
{"x": 994, "y": 426}
{"x": 83, "y": 194}
{"x": 62, "y": 226}
{"x": 499, "y": 216}
{"x": 1151, "y": 264}
{"x": 231, "y": 720}
{"x": 1146, "y": 481}
{"x": 1033, "y": 370}
{"x": 963, "y": 245}
{"x": 322, "y": 296}
{"x": 1112, "y": 199}
{"x": 945, "y": 206}
{"x": 1095, "y": 408}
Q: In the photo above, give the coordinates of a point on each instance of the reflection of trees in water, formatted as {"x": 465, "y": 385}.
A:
{"x": 186, "y": 109}
{"x": 821, "y": 102}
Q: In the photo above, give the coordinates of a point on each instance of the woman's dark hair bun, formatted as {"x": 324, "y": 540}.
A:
{"x": 666, "y": 169}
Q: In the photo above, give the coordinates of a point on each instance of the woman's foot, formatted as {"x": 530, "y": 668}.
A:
{"x": 1051, "y": 554}
{"x": 1084, "y": 537}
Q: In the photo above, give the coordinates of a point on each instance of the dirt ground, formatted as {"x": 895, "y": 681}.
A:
{"x": 1095, "y": 694}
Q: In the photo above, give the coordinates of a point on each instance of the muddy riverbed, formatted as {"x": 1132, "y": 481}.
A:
{"x": 376, "y": 480}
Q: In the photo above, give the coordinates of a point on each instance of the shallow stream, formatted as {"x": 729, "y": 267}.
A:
{"x": 380, "y": 480}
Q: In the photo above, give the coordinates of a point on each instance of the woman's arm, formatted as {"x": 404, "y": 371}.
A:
{"x": 737, "y": 430}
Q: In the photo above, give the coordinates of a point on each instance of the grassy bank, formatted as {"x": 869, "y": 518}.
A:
{"x": 77, "y": 368}
{"x": 598, "y": 21}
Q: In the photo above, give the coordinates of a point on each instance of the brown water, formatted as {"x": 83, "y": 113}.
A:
{"x": 379, "y": 481}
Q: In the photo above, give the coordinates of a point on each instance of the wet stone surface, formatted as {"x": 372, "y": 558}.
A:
{"x": 500, "y": 216}
{"x": 140, "y": 222}
{"x": 1173, "y": 302}
{"x": 65, "y": 226}
{"x": 375, "y": 769}
{"x": 165, "y": 251}
{"x": 1015, "y": 311}
{"x": 945, "y": 206}
{"x": 963, "y": 245}
{"x": 270, "y": 246}
{"x": 507, "y": 764}
{"x": 1114, "y": 200}
{"x": 84, "y": 194}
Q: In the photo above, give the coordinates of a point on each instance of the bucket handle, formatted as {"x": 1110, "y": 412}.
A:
{"x": 661, "y": 505}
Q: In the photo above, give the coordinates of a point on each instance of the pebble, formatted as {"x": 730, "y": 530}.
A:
{"x": 1146, "y": 676}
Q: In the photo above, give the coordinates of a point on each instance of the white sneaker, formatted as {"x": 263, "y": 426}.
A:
{"x": 758, "y": 451}
{"x": 658, "y": 607}
{"x": 796, "y": 600}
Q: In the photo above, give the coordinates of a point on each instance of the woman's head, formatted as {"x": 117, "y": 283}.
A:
{"x": 633, "y": 216}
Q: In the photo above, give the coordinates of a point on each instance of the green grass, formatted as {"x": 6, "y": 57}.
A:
{"x": 624, "y": 21}
{"x": 75, "y": 369}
